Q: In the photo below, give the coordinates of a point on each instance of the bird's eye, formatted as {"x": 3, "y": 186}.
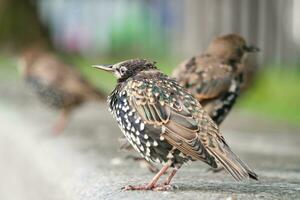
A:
{"x": 122, "y": 70}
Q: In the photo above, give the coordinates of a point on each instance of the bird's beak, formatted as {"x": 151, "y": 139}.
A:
{"x": 252, "y": 48}
{"x": 108, "y": 68}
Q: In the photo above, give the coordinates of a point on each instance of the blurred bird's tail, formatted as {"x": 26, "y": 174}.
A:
{"x": 233, "y": 164}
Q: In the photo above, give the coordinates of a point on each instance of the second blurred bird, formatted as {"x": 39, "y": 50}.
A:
{"x": 56, "y": 83}
{"x": 216, "y": 76}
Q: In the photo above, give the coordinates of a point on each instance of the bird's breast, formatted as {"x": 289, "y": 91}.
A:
{"x": 145, "y": 138}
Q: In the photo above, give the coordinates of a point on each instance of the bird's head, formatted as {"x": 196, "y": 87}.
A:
{"x": 128, "y": 68}
{"x": 231, "y": 46}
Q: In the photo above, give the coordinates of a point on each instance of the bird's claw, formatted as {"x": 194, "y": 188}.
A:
{"x": 139, "y": 187}
{"x": 163, "y": 187}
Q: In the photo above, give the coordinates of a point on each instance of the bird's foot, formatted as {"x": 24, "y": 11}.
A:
{"x": 162, "y": 187}
{"x": 138, "y": 187}
{"x": 215, "y": 170}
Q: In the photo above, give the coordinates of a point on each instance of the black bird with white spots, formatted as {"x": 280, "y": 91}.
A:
{"x": 166, "y": 124}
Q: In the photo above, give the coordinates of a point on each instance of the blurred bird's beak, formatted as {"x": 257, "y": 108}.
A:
{"x": 252, "y": 48}
{"x": 108, "y": 68}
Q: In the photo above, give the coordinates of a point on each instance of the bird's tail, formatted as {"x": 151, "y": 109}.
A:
{"x": 233, "y": 164}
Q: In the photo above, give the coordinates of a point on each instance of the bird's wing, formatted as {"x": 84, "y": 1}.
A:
{"x": 163, "y": 103}
{"x": 204, "y": 76}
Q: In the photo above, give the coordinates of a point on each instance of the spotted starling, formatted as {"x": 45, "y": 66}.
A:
{"x": 165, "y": 123}
{"x": 56, "y": 83}
{"x": 215, "y": 77}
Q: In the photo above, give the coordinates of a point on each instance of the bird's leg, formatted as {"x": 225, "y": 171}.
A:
{"x": 152, "y": 184}
{"x": 166, "y": 184}
{"x": 61, "y": 121}
{"x": 169, "y": 178}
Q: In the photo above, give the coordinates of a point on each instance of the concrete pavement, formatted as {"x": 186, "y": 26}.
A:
{"x": 86, "y": 163}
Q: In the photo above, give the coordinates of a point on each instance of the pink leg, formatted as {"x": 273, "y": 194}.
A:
{"x": 62, "y": 121}
{"x": 166, "y": 185}
{"x": 170, "y": 177}
{"x": 153, "y": 182}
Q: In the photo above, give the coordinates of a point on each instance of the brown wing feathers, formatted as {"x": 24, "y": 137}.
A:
{"x": 232, "y": 163}
{"x": 187, "y": 128}
{"x": 180, "y": 127}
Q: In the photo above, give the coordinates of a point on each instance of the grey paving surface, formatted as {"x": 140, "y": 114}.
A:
{"x": 85, "y": 162}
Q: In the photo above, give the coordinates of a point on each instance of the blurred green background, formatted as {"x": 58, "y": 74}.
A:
{"x": 99, "y": 32}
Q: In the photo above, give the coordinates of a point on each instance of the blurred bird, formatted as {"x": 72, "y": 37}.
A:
{"x": 216, "y": 77}
{"x": 57, "y": 84}
{"x": 166, "y": 124}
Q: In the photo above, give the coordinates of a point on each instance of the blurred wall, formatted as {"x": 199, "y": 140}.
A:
{"x": 265, "y": 23}
{"x": 172, "y": 28}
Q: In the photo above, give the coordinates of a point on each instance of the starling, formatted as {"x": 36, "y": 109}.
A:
{"x": 165, "y": 123}
{"x": 56, "y": 83}
{"x": 215, "y": 77}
